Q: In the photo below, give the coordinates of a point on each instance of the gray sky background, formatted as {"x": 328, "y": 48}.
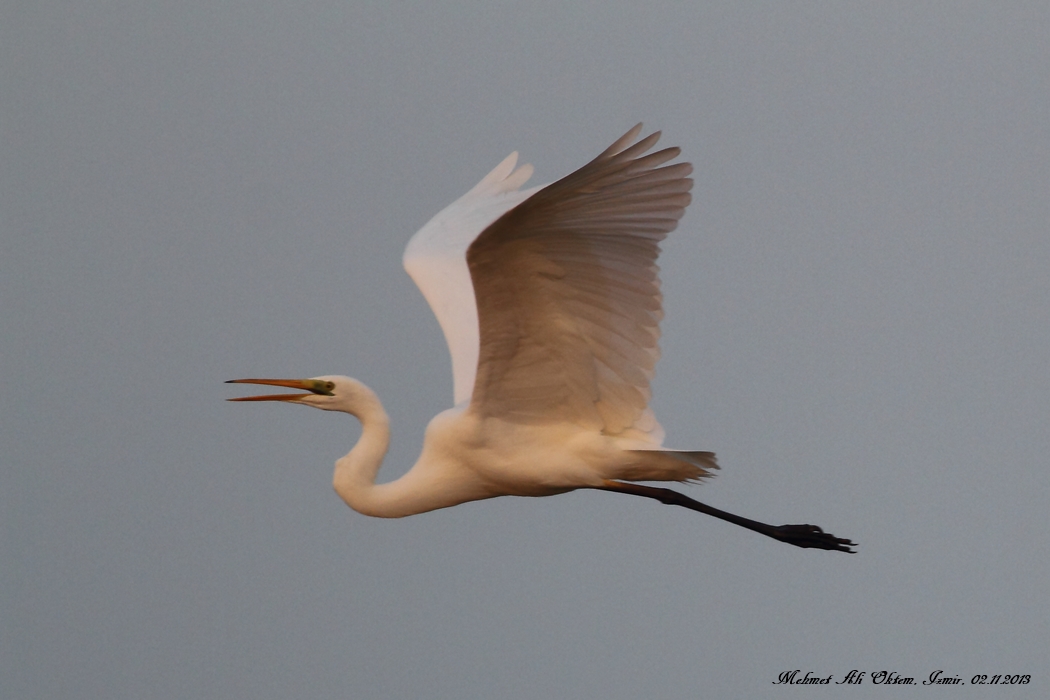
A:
{"x": 858, "y": 323}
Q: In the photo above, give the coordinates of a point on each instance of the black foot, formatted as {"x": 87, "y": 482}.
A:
{"x": 811, "y": 536}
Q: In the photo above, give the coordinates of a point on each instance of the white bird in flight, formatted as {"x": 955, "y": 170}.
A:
{"x": 550, "y": 302}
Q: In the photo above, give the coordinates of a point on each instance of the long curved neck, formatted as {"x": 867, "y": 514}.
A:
{"x": 355, "y": 473}
{"x": 418, "y": 491}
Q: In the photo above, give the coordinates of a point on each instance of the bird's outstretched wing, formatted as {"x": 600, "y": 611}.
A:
{"x": 436, "y": 259}
{"x": 568, "y": 295}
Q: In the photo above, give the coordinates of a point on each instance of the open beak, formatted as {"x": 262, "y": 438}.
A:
{"x": 311, "y": 385}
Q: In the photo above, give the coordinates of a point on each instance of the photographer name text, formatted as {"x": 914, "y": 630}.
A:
{"x": 938, "y": 677}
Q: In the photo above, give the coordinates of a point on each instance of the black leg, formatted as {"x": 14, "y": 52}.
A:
{"x": 798, "y": 535}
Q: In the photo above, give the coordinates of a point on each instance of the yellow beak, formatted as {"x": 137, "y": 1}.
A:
{"x": 311, "y": 385}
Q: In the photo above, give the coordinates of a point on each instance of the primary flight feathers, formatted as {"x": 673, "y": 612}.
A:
{"x": 566, "y": 287}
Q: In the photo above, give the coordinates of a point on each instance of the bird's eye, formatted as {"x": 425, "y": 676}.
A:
{"x": 329, "y": 385}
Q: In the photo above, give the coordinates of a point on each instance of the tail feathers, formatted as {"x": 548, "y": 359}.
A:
{"x": 669, "y": 465}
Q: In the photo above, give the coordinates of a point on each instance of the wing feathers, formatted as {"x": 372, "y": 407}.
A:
{"x": 568, "y": 293}
{"x": 435, "y": 258}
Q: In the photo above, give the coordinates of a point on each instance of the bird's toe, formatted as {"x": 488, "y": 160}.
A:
{"x": 812, "y": 536}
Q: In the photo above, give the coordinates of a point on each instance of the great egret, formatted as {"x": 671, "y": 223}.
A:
{"x": 550, "y": 303}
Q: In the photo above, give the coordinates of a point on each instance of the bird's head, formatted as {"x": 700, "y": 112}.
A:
{"x": 329, "y": 393}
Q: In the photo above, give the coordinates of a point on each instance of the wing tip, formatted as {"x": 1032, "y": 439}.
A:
{"x": 499, "y": 173}
{"x": 505, "y": 177}
{"x": 624, "y": 142}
